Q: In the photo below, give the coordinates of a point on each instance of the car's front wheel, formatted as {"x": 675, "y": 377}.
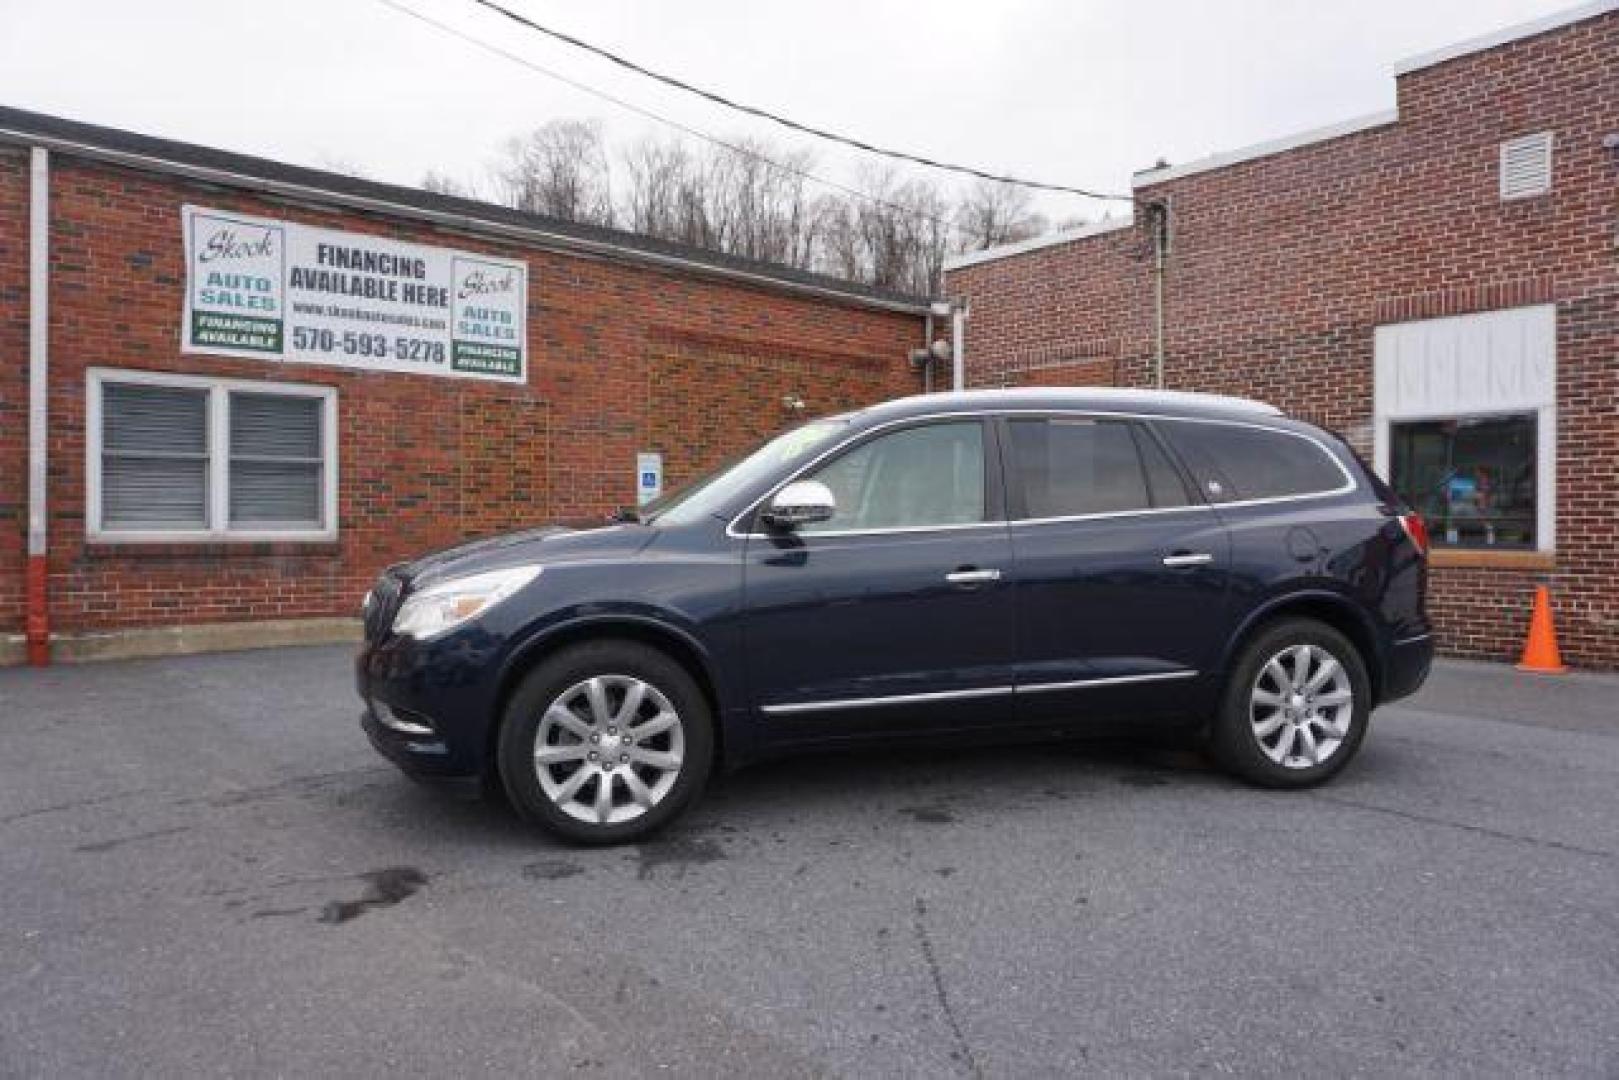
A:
{"x": 1296, "y": 707}
{"x": 606, "y": 741}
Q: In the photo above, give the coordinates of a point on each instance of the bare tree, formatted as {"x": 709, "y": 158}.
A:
{"x": 559, "y": 169}
{"x": 442, "y": 183}
{"x": 897, "y": 236}
{"x": 752, "y": 199}
{"x": 993, "y": 213}
{"x": 657, "y": 177}
{"x": 840, "y": 251}
{"x": 931, "y": 235}
{"x": 758, "y": 203}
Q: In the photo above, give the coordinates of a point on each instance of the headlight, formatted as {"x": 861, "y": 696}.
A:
{"x": 440, "y": 608}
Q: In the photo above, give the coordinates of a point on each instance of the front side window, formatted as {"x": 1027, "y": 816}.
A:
{"x": 1077, "y": 467}
{"x": 176, "y": 457}
{"x": 710, "y": 493}
{"x": 931, "y": 475}
{"x": 1472, "y": 479}
{"x": 1235, "y": 462}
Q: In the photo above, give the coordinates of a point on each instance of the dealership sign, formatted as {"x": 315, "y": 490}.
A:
{"x": 277, "y": 290}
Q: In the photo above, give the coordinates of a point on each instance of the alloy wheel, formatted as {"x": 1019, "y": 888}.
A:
{"x": 1301, "y": 706}
{"x": 609, "y": 749}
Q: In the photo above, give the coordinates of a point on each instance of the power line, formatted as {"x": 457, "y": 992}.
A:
{"x": 765, "y": 114}
{"x": 731, "y": 147}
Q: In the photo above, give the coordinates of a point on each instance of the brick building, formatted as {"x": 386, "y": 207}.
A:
{"x": 1440, "y": 284}
{"x": 261, "y": 384}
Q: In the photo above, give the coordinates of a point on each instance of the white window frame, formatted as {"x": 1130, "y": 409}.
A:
{"x": 218, "y": 415}
{"x": 1539, "y": 401}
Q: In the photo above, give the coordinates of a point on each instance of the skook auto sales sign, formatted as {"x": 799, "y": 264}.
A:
{"x": 277, "y": 290}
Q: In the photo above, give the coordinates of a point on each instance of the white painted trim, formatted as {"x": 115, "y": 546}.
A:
{"x": 1555, "y": 21}
{"x": 39, "y": 321}
{"x": 1325, "y": 133}
{"x": 218, "y": 419}
{"x": 958, "y": 349}
{"x": 1066, "y": 236}
{"x": 1544, "y": 408}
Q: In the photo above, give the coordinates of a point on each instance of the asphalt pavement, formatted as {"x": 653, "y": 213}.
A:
{"x": 204, "y": 870}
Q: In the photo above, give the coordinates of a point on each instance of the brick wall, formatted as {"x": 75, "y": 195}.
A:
{"x": 622, "y": 359}
{"x": 1282, "y": 267}
{"x": 13, "y": 384}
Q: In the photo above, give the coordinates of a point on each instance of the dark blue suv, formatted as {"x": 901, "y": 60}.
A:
{"x": 985, "y": 565}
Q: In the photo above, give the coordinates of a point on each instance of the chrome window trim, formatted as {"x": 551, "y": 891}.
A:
{"x": 841, "y": 704}
{"x": 886, "y": 531}
{"x": 1349, "y": 485}
{"x": 1103, "y": 515}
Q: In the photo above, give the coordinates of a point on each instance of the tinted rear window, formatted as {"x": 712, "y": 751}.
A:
{"x": 1231, "y": 462}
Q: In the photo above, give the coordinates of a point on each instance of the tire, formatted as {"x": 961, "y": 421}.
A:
{"x": 1301, "y": 741}
{"x": 652, "y": 769}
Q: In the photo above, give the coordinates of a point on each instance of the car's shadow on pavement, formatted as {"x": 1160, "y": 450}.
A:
{"x": 922, "y": 784}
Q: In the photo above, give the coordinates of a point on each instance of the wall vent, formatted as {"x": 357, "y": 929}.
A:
{"x": 1526, "y": 166}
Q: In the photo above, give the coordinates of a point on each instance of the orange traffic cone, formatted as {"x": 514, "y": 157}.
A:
{"x": 1540, "y": 653}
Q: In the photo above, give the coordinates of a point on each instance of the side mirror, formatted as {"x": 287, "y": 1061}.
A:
{"x": 802, "y": 502}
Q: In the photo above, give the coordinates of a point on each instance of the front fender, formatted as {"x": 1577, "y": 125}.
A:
{"x": 641, "y": 622}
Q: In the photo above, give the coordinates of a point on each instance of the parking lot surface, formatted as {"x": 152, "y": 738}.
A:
{"x": 205, "y": 870}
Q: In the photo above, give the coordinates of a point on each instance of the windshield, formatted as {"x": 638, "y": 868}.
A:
{"x": 709, "y": 494}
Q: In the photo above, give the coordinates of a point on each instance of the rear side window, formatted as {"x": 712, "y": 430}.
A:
{"x": 1073, "y": 467}
{"x": 1231, "y": 462}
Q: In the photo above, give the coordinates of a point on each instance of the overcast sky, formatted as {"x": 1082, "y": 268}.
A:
{"x": 1079, "y": 92}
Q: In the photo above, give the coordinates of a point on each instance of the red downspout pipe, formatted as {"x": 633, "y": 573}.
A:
{"x": 38, "y": 625}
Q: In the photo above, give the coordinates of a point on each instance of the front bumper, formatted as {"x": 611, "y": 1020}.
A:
{"x": 1409, "y": 661}
{"x": 420, "y": 759}
{"x": 427, "y": 706}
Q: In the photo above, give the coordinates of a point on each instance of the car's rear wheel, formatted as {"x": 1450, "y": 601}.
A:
{"x": 605, "y": 742}
{"x": 1296, "y": 707}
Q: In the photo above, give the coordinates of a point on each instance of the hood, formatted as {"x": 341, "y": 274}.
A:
{"x": 579, "y": 540}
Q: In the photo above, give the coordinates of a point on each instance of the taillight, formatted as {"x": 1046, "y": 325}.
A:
{"x": 1417, "y": 530}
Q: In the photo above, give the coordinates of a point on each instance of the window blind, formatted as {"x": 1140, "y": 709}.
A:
{"x": 276, "y": 465}
{"x": 154, "y": 462}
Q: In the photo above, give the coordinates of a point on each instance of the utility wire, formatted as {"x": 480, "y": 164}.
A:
{"x": 765, "y": 114}
{"x": 731, "y": 147}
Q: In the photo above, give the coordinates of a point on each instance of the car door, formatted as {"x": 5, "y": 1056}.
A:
{"x": 897, "y": 613}
{"x": 1121, "y": 569}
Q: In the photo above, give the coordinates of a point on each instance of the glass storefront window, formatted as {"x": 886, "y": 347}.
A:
{"x": 1472, "y": 478}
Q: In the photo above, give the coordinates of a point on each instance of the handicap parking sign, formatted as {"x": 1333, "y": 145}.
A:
{"x": 648, "y": 477}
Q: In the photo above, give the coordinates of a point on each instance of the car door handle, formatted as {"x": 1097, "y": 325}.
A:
{"x": 968, "y": 576}
{"x": 1188, "y": 558}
